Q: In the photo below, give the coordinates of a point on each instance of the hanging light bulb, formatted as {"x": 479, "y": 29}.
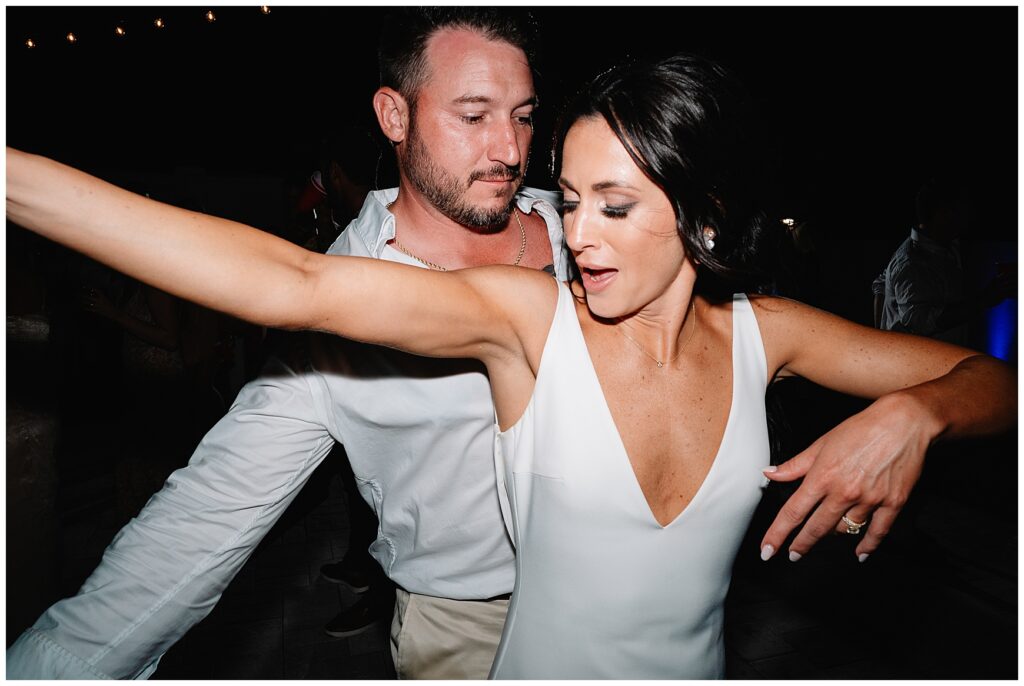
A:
{"x": 120, "y": 31}
{"x": 159, "y": 23}
{"x": 30, "y": 43}
{"x": 210, "y": 16}
{"x": 265, "y": 9}
{"x": 71, "y": 37}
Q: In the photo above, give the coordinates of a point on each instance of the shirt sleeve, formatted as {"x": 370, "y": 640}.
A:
{"x": 167, "y": 568}
{"x": 878, "y": 285}
{"x": 919, "y": 291}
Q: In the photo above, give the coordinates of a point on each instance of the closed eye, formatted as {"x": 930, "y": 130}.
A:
{"x": 617, "y": 211}
{"x": 610, "y": 211}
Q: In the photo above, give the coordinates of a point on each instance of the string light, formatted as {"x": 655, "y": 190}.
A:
{"x": 121, "y": 29}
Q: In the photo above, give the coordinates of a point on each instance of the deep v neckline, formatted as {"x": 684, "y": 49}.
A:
{"x": 622, "y": 444}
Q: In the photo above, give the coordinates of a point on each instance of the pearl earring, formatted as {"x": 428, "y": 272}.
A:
{"x": 709, "y": 238}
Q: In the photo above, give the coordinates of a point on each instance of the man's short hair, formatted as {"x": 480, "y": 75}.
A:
{"x": 401, "y": 54}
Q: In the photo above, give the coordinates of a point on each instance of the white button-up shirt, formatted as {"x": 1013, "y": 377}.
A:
{"x": 419, "y": 434}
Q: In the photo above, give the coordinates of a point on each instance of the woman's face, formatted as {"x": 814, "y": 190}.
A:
{"x": 619, "y": 225}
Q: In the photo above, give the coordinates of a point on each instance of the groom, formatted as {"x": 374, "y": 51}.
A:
{"x": 456, "y": 101}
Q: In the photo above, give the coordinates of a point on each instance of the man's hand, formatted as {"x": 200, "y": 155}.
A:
{"x": 864, "y": 469}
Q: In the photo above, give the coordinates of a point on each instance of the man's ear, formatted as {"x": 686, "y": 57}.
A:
{"x": 392, "y": 114}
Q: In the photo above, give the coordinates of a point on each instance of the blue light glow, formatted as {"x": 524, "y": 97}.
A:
{"x": 1002, "y": 329}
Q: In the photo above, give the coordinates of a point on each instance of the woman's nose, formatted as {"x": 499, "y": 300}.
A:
{"x": 578, "y": 230}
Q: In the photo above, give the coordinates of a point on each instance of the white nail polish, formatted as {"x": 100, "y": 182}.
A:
{"x": 794, "y": 556}
{"x": 767, "y": 552}
{"x": 862, "y": 557}
{"x": 770, "y": 469}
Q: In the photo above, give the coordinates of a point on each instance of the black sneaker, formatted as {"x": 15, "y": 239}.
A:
{"x": 356, "y": 619}
{"x": 357, "y": 580}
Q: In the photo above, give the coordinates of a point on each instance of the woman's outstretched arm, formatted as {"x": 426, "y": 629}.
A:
{"x": 866, "y": 467}
{"x": 258, "y": 277}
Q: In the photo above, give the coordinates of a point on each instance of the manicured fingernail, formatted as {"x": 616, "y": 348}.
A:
{"x": 862, "y": 557}
{"x": 767, "y": 551}
{"x": 770, "y": 469}
{"x": 794, "y": 556}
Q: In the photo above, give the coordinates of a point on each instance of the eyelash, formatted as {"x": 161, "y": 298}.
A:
{"x": 472, "y": 119}
{"x": 610, "y": 211}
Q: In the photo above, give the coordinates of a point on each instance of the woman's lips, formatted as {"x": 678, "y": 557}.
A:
{"x": 596, "y": 280}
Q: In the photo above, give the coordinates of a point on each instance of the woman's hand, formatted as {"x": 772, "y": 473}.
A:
{"x": 863, "y": 469}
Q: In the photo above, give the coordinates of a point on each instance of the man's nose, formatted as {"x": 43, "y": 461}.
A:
{"x": 504, "y": 145}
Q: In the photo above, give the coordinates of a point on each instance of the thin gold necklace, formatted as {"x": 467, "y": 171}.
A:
{"x": 693, "y": 304}
{"x": 437, "y": 267}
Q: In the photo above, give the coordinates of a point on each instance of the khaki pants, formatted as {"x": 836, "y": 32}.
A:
{"x": 440, "y": 638}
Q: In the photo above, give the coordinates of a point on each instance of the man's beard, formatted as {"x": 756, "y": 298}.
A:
{"x": 448, "y": 194}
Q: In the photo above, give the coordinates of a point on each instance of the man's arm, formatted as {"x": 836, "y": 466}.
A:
{"x": 167, "y": 568}
{"x": 878, "y": 290}
{"x": 879, "y": 305}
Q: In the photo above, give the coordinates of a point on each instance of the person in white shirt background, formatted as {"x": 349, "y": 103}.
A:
{"x": 922, "y": 290}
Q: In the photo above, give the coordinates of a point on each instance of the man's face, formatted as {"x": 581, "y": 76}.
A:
{"x": 469, "y": 135}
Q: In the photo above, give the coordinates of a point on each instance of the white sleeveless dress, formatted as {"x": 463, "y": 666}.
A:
{"x": 602, "y": 590}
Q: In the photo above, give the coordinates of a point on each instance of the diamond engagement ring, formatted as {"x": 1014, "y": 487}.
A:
{"x": 852, "y": 527}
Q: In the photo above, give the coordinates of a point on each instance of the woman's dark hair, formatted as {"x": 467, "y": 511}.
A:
{"x": 684, "y": 121}
{"x": 401, "y": 54}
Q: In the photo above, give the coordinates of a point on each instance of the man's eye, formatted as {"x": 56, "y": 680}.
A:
{"x": 472, "y": 118}
{"x": 525, "y": 120}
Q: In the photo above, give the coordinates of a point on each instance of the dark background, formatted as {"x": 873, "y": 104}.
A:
{"x": 860, "y": 105}
{"x": 863, "y": 103}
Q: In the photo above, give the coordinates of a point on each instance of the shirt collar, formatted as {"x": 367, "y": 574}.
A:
{"x": 375, "y": 225}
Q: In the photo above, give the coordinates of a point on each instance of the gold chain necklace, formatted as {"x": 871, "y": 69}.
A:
{"x": 693, "y": 304}
{"x": 437, "y": 267}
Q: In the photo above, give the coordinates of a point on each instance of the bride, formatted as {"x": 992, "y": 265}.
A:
{"x": 630, "y": 433}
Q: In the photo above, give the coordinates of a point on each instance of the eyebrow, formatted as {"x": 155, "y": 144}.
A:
{"x": 600, "y": 186}
{"x": 477, "y": 99}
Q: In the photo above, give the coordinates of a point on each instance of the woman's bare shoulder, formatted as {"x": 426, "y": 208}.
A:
{"x": 779, "y": 312}
{"x": 527, "y": 297}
